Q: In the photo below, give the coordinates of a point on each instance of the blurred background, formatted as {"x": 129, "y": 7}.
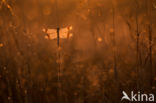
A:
{"x": 105, "y": 47}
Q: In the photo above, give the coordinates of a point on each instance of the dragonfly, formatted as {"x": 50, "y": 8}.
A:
{"x": 64, "y": 33}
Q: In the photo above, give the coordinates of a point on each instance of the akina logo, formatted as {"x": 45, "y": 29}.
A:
{"x": 138, "y": 97}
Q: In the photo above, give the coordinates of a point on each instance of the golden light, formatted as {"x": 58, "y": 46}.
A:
{"x": 44, "y": 30}
{"x": 51, "y": 31}
{"x": 70, "y": 28}
{"x": 46, "y": 37}
{"x": 70, "y": 35}
{"x": 52, "y": 36}
{"x": 1, "y": 45}
{"x": 99, "y": 39}
{"x": 63, "y": 33}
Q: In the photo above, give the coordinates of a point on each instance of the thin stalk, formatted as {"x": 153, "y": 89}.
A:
{"x": 59, "y": 91}
{"x": 137, "y": 47}
{"x": 149, "y": 10}
{"x": 114, "y": 44}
